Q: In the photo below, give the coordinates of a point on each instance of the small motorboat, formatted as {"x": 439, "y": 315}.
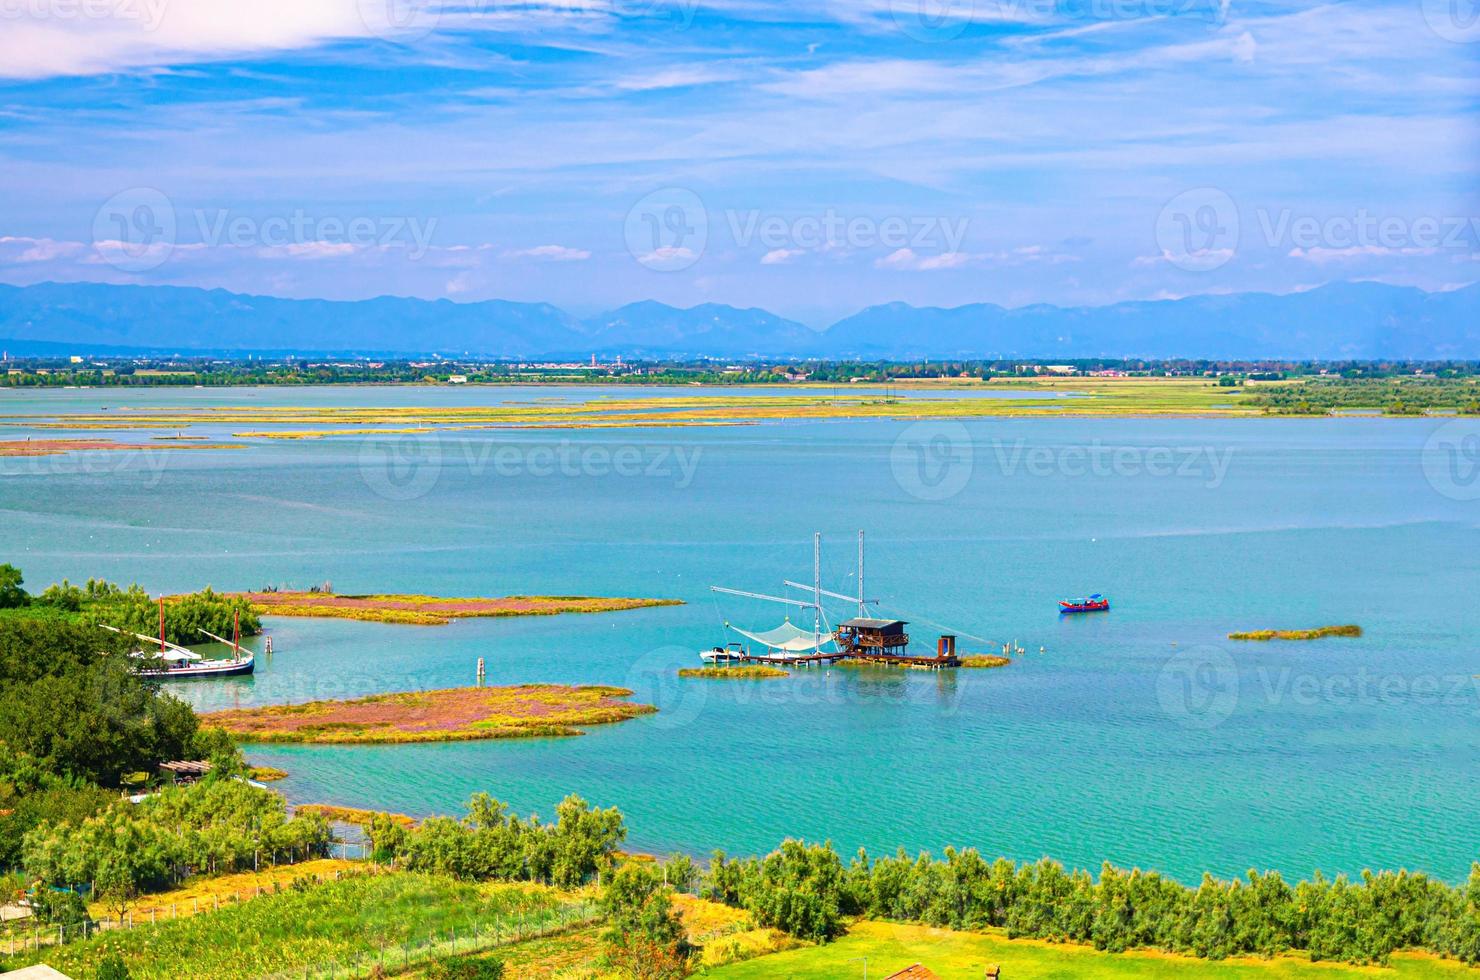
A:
{"x": 730, "y": 653}
{"x": 1093, "y": 603}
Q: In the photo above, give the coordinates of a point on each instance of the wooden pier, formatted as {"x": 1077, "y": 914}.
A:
{"x": 867, "y": 641}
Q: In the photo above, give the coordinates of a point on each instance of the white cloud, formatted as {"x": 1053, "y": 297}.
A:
{"x": 1319, "y": 255}
{"x": 37, "y": 249}
{"x": 780, "y": 256}
{"x": 549, "y": 253}
{"x": 906, "y": 259}
{"x": 64, "y": 37}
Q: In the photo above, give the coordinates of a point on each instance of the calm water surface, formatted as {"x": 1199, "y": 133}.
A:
{"x": 1141, "y": 736}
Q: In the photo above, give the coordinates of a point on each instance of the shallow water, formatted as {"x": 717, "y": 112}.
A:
{"x": 1140, "y": 736}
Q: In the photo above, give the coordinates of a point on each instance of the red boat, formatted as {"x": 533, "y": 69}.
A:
{"x": 1094, "y": 603}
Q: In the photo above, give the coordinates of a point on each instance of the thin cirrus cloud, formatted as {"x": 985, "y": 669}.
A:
{"x": 537, "y": 125}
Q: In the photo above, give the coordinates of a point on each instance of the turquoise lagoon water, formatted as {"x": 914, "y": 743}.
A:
{"x": 1141, "y": 736}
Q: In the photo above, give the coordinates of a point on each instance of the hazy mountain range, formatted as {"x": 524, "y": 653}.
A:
{"x": 1339, "y": 320}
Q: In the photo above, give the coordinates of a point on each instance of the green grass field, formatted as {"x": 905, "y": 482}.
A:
{"x": 396, "y": 918}
{"x": 965, "y": 956}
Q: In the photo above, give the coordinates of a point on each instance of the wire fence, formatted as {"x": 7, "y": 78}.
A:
{"x": 19, "y": 935}
{"x": 482, "y": 937}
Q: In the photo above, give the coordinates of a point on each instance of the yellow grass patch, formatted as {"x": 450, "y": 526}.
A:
{"x": 449, "y": 715}
{"x": 983, "y": 660}
{"x": 207, "y": 894}
{"x": 745, "y": 672}
{"x": 424, "y": 610}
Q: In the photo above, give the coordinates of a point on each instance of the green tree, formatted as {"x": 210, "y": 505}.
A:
{"x": 12, "y": 596}
{"x": 645, "y": 938}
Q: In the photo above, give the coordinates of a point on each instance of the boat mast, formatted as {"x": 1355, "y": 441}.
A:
{"x": 817, "y": 587}
{"x": 861, "y": 601}
{"x": 161, "y": 624}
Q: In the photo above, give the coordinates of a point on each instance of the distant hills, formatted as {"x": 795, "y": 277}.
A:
{"x": 1359, "y": 320}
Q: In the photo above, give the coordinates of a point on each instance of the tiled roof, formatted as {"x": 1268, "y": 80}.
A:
{"x": 916, "y": 972}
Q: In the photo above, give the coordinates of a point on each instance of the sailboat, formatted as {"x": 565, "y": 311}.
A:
{"x": 172, "y": 661}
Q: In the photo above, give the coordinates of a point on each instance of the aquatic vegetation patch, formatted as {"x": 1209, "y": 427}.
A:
{"x": 450, "y": 715}
{"x": 746, "y": 672}
{"x": 984, "y": 660}
{"x": 266, "y": 774}
{"x": 422, "y": 610}
{"x": 56, "y": 447}
{"x": 1315, "y": 634}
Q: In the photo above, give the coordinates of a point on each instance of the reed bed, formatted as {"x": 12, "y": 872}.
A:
{"x": 450, "y": 715}
{"x": 1351, "y": 630}
{"x": 423, "y": 610}
{"x": 985, "y": 660}
{"x": 743, "y": 673}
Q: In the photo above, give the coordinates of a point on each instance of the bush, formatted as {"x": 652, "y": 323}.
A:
{"x": 465, "y": 968}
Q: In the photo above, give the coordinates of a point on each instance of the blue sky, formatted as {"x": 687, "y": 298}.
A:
{"x": 809, "y": 158}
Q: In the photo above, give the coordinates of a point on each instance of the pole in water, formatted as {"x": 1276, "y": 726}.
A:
{"x": 480, "y": 672}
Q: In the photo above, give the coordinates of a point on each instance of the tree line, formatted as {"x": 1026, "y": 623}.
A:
{"x": 808, "y": 891}
{"x": 132, "y": 609}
